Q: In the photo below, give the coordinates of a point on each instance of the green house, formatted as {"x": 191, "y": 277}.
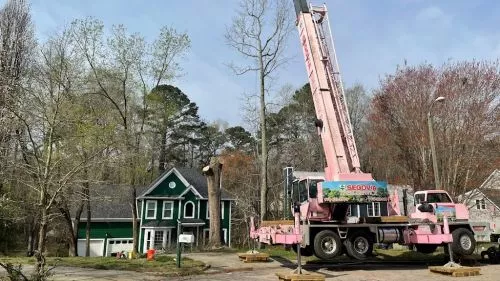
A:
{"x": 111, "y": 220}
{"x": 179, "y": 195}
{"x": 178, "y": 199}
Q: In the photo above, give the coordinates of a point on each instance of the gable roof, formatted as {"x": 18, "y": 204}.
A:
{"x": 110, "y": 202}
{"x": 190, "y": 177}
{"x": 492, "y": 194}
{"x": 492, "y": 181}
{"x": 490, "y": 189}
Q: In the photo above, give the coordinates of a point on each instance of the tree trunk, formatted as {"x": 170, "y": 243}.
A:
{"x": 40, "y": 259}
{"x": 89, "y": 218}
{"x": 72, "y": 228}
{"x": 212, "y": 173}
{"x": 163, "y": 152}
{"x": 263, "y": 129}
{"x": 134, "y": 221}
{"x": 31, "y": 237}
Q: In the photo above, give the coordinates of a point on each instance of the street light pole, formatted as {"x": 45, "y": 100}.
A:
{"x": 437, "y": 184}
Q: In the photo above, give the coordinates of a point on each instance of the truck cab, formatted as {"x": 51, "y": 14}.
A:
{"x": 433, "y": 205}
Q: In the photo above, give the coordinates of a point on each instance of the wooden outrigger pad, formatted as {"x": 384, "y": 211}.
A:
{"x": 304, "y": 276}
{"x": 253, "y": 257}
{"x": 462, "y": 271}
{"x": 278, "y": 222}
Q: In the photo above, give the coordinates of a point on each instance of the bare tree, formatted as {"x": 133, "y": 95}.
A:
{"x": 259, "y": 33}
{"x": 120, "y": 71}
{"x": 465, "y": 125}
{"x": 17, "y": 43}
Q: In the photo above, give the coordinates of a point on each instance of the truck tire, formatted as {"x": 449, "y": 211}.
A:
{"x": 359, "y": 245}
{"x": 327, "y": 245}
{"x": 426, "y": 248}
{"x": 306, "y": 251}
{"x": 463, "y": 243}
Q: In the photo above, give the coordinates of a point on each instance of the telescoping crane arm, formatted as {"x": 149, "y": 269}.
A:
{"x": 333, "y": 121}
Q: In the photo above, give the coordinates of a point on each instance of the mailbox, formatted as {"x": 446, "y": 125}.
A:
{"x": 186, "y": 238}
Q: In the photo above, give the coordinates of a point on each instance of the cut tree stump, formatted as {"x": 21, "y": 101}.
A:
{"x": 253, "y": 257}
{"x": 463, "y": 271}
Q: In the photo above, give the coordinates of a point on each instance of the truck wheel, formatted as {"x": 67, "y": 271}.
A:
{"x": 463, "y": 243}
{"x": 327, "y": 245}
{"x": 359, "y": 245}
{"x": 426, "y": 248}
{"x": 306, "y": 251}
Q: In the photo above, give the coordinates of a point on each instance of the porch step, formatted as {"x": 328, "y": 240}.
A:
{"x": 253, "y": 257}
{"x": 456, "y": 271}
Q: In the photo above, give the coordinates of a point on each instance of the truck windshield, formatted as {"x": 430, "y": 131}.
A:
{"x": 419, "y": 198}
{"x": 432, "y": 198}
{"x": 313, "y": 188}
{"x": 302, "y": 191}
{"x": 438, "y": 198}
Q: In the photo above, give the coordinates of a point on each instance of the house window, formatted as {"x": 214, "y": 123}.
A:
{"x": 373, "y": 209}
{"x": 481, "y": 204}
{"x": 221, "y": 210}
{"x": 168, "y": 209}
{"x": 189, "y": 210}
{"x": 150, "y": 209}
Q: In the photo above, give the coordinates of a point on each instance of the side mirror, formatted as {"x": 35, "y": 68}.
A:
{"x": 426, "y": 207}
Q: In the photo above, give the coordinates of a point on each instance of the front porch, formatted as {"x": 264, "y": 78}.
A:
{"x": 161, "y": 237}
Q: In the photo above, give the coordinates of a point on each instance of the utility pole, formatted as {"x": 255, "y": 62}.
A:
{"x": 437, "y": 183}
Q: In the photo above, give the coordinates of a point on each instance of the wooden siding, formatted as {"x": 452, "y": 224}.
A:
{"x": 99, "y": 230}
{"x": 164, "y": 190}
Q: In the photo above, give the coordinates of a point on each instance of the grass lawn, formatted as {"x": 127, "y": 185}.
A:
{"x": 163, "y": 265}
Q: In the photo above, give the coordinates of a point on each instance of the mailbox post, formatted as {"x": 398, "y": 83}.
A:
{"x": 178, "y": 261}
{"x": 182, "y": 238}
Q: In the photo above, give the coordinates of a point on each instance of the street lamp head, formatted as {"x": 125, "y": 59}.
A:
{"x": 439, "y": 99}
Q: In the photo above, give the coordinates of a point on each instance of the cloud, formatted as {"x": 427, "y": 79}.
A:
{"x": 434, "y": 15}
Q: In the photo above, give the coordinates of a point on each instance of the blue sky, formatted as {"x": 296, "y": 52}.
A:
{"x": 371, "y": 37}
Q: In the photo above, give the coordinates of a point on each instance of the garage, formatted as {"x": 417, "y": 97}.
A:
{"x": 96, "y": 247}
{"x": 116, "y": 245}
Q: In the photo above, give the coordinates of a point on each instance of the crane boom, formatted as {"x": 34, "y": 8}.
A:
{"x": 332, "y": 114}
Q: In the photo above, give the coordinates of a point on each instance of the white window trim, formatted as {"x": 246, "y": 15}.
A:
{"x": 221, "y": 210}
{"x": 191, "y": 217}
{"x": 171, "y": 210}
{"x": 373, "y": 207}
{"x": 481, "y": 203}
{"x": 147, "y": 204}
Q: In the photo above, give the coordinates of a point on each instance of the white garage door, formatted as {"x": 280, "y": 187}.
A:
{"x": 116, "y": 245}
{"x": 96, "y": 247}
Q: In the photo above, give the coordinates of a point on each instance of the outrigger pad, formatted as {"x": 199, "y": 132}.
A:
{"x": 304, "y": 276}
{"x": 254, "y": 257}
{"x": 461, "y": 271}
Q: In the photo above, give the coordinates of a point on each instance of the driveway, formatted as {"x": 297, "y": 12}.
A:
{"x": 227, "y": 267}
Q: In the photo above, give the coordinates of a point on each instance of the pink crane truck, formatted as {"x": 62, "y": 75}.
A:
{"x": 320, "y": 205}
